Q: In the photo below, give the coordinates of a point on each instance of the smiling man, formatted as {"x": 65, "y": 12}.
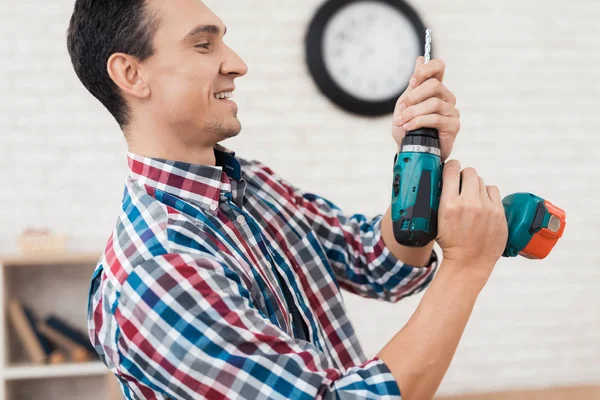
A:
{"x": 221, "y": 279}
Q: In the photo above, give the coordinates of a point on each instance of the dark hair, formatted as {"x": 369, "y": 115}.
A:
{"x": 99, "y": 29}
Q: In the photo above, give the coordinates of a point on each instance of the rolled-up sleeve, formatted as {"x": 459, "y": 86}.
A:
{"x": 354, "y": 246}
{"x": 362, "y": 262}
{"x": 188, "y": 329}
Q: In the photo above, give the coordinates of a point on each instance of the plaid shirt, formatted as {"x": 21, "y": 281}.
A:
{"x": 185, "y": 302}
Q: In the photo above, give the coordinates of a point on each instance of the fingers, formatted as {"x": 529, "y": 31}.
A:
{"x": 470, "y": 184}
{"x": 433, "y": 69}
{"x": 400, "y": 106}
{"x": 426, "y": 83}
{"x": 467, "y": 184}
{"x": 436, "y": 121}
{"x": 451, "y": 187}
{"x": 494, "y": 194}
{"x": 483, "y": 195}
{"x": 430, "y": 88}
{"x": 487, "y": 194}
{"x": 420, "y": 61}
{"x": 432, "y": 105}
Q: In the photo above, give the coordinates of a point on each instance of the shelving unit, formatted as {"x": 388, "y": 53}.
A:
{"x": 26, "y": 371}
{"x": 49, "y": 284}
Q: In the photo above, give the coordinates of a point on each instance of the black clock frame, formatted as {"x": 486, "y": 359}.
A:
{"x": 316, "y": 64}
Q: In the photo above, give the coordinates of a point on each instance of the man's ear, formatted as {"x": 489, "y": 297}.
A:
{"x": 125, "y": 72}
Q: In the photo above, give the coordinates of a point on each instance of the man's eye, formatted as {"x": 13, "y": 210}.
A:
{"x": 203, "y": 46}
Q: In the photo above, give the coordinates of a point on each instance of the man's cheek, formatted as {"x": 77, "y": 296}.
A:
{"x": 180, "y": 94}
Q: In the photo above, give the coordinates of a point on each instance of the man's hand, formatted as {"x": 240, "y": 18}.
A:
{"x": 427, "y": 103}
{"x": 472, "y": 227}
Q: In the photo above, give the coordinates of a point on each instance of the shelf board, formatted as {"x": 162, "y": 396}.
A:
{"x": 24, "y": 260}
{"x": 29, "y": 371}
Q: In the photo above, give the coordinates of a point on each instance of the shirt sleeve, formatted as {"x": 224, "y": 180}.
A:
{"x": 354, "y": 246}
{"x": 188, "y": 329}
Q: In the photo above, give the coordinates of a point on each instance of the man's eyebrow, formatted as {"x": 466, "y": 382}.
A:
{"x": 212, "y": 29}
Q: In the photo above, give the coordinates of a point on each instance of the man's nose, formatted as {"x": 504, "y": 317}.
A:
{"x": 233, "y": 64}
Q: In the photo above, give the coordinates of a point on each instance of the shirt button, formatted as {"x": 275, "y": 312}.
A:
{"x": 213, "y": 207}
{"x": 241, "y": 219}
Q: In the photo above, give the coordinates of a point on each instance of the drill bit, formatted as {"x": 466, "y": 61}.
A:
{"x": 427, "y": 45}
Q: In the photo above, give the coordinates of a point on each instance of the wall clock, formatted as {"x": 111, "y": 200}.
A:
{"x": 361, "y": 53}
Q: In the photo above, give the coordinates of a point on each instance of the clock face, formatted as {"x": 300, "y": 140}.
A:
{"x": 361, "y": 53}
{"x": 369, "y": 49}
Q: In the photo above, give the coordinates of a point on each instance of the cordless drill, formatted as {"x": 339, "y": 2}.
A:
{"x": 534, "y": 224}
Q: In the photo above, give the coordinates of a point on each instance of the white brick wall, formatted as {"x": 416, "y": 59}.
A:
{"x": 526, "y": 77}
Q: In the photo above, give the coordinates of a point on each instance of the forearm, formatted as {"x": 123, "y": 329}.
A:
{"x": 420, "y": 353}
{"x": 413, "y": 256}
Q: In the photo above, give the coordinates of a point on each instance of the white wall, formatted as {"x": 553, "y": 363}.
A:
{"x": 526, "y": 77}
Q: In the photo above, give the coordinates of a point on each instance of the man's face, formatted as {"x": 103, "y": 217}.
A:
{"x": 190, "y": 66}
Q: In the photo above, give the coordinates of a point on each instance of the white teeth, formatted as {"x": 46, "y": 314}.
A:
{"x": 224, "y": 95}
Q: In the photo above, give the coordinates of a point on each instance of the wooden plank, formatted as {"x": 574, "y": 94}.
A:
{"x": 556, "y": 393}
{"x": 76, "y": 352}
{"x": 25, "y": 260}
{"x": 25, "y": 332}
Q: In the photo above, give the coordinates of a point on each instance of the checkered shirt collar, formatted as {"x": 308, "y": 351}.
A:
{"x": 203, "y": 185}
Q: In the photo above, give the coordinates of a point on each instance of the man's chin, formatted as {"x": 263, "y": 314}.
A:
{"x": 224, "y": 128}
{"x": 232, "y": 130}
{"x": 230, "y": 134}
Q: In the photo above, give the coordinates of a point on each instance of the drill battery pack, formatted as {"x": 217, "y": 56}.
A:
{"x": 534, "y": 225}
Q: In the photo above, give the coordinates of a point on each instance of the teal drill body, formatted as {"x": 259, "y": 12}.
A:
{"x": 534, "y": 224}
{"x": 417, "y": 188}
{"x": 416, "y": 194}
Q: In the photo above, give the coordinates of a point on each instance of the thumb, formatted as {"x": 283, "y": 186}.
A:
{"x": 420, "y": 61}
{"x": 398, "y": 132}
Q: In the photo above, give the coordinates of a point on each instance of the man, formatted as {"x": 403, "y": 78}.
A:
{"x": 221, "y": 279}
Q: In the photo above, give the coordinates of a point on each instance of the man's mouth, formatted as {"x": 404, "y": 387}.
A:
{"x": 224, "y": 95}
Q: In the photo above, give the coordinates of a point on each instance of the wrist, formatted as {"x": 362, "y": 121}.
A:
{"x": 467, "y": 277}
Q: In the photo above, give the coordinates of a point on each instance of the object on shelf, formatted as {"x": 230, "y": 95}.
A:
{"x": 53, "y": 354}
{"x": 57, "y": 357}
{"x": 52, "y": 282}
{"x": 42, "y": 241}
{"x": 77, "y": 353}
{"x": 26, "y": 333}
{"x": 72, "y": 333}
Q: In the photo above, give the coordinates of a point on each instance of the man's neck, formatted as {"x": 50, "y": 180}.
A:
{"x": 169, "y": 148}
